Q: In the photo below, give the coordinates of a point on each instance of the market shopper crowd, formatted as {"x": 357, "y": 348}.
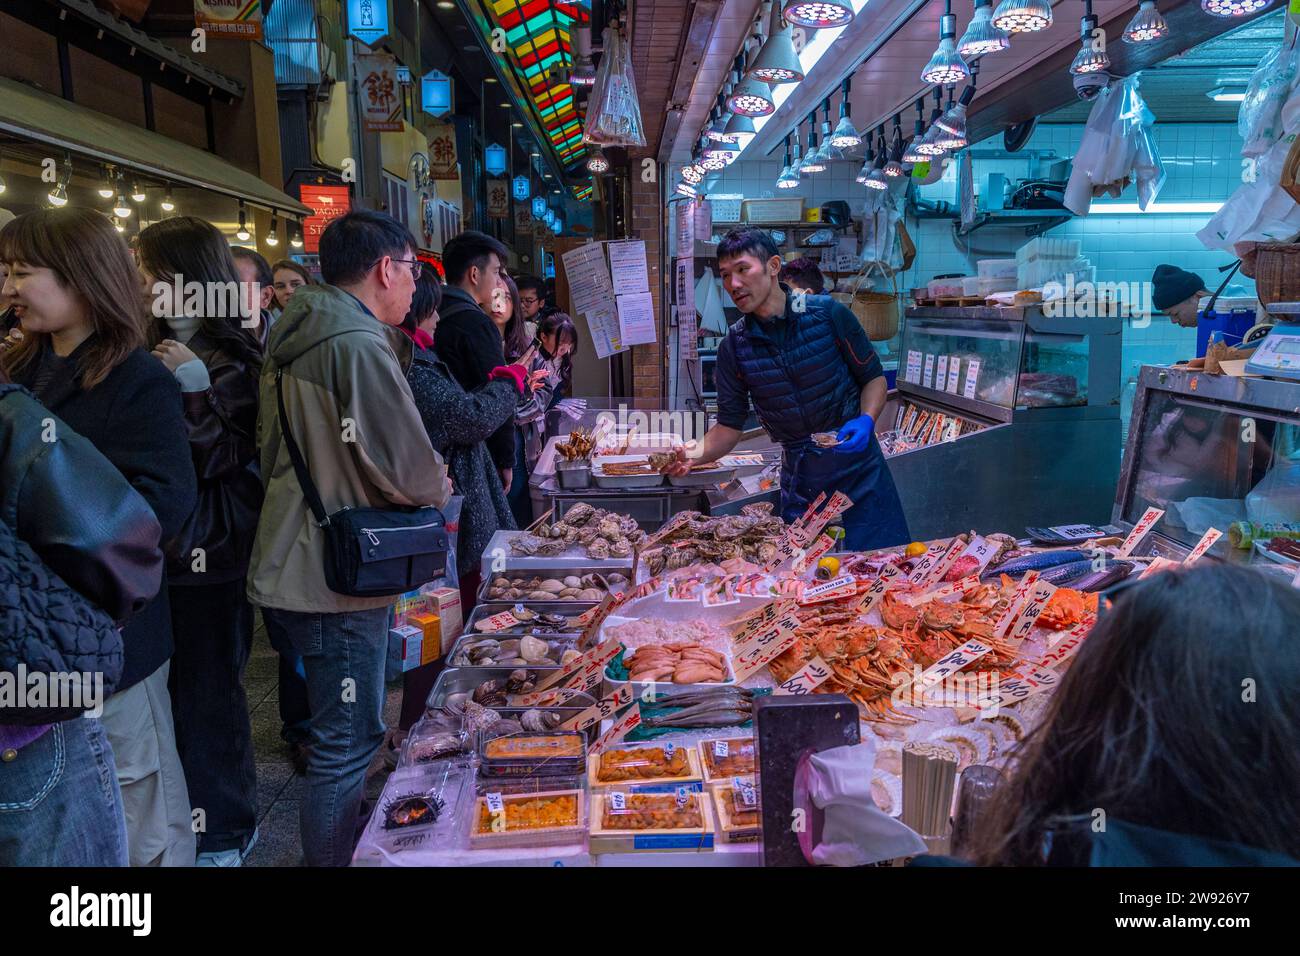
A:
{"x": 148, "y": 503}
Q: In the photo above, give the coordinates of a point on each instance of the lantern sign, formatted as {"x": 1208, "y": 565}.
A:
{"x": 442, "y": 152}
{"x": 498, "y": 199}
{"x": 435, "y": 93}
{"x": 494, "y": 159}
{"x": 539, "y": 207}
{"x": 404, "y": 75}
{"x": 368, "y": 21}
{"x": 381, "y": 104}
{"x": 522, "y": 188}
{"x": 558, "y": 226}
{"x": 549, "y": 218}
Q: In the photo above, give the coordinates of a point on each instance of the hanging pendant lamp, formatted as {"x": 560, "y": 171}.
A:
{"x": 894, "y": 168}
{"x": 789, "y": 177}
{"x": 741, "y": 130}
{"x": 820, "y": 15}
{"x": 1147, "y": 24}
{"x": 911, "y": 155}
{"x": 1092, "y": 57}
{"x": 982, "y": 37}
{"x": 1023, "y": 16}
{"x": 778, "y": 61}
{"x": 946, "y": 66}
{"x": 1233, "y": 8}
{"x": 845, "y": 136}
{"x": 929, "y": 145}
{"x": 812, "y": 161}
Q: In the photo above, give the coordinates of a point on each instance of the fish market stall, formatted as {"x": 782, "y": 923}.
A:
{"x": 644, "y": 729}
{"x": 1017, "y": 409}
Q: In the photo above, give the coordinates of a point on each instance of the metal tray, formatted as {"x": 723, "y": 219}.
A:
{"x": 561, "y": 572}
{"x": 482, "y": 611}
{"x": 703, "y": 479}
{"x": 653, "y": 480}
{"x": 466, "y": 639}
{"x": 454, "y": 680}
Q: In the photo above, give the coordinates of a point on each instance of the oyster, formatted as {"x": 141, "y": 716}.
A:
{"x": 479, "y": 717}
{"x": 578, "y": 514}
{"x": 533, "y": 650}
{"x": 539, "y": 720}
{"x": 435, "y": 747}
{"x": 520, "y": 682}
{"x": 490, "y": 693}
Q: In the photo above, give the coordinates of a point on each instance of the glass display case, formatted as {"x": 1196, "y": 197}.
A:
{"x": 1003, "y": 418}
{"x": 1210, "y": 451}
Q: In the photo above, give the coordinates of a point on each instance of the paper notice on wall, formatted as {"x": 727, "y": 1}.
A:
{"x": 913, "y": 367}
{"x": 846, "y": 254}
{"x": 605, "y": 334}
{"x": 589, "y": 282}
{"x": 972, "y": 377}
{"x": 954, "y": 374}
{"x": 627, "y": 267}
{"x": 685, "y": 229}
{"x": 636, "y": 319}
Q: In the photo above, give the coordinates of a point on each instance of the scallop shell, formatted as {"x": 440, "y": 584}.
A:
{"x": 533, "y": 650}
{"x": 573, "y": 581}
{"x": 592, "y": 594}
{"x": 551, "y": 585}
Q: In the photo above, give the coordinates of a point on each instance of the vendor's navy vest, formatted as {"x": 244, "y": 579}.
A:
{"x": 804, "y": 385}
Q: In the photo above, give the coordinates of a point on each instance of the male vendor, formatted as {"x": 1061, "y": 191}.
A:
{"x": 809, "y": 367}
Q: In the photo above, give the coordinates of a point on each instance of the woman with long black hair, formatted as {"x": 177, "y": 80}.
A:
{"x": 550, "y": 376}
{"x": 216, "y": 361}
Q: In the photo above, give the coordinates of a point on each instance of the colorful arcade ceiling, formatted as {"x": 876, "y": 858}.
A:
{"x": 537, "y": 37}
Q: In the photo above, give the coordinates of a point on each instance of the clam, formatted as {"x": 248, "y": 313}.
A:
{"x": 520, "y": 682}
{"x": 490, "y": 693}
{"x": 569, "y": 655}
{"x": 479, "y": 717}
{"x": 507, "y": 726}
{"x": 501, "y": 582}
{"x": 592, "y": 594}
{"x": 573, "y": 581}
{"x": 510, "y": 648}
{"x": 539, "y": 720}
{"x": 512, "y": 662}
{"x": 551, "y": 585}
{"x": 455, "y": 703}
{"x": 533, "y": 650}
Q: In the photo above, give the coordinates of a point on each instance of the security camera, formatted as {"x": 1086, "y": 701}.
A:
{"x": 1089, "y": 85}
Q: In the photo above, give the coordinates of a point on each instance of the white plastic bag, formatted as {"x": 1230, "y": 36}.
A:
{"x": 1260, "y": 116}
{"x": 614, "y": 112}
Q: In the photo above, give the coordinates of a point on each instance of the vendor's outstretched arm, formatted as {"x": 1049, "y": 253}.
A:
{"x": 717, "y": 441}
{"x": 874, "y": 394}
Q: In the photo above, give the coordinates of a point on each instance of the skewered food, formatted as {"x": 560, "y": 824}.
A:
{"x": 578, "y": 447}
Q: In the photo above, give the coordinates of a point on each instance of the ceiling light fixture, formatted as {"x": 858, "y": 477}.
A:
{"x": 789, "y": 177}
{"x": 58, "y": 196}
{"x": 295, "y": 234}
{"x": 894, "y": 168}
{"x": 911, "y": 154}
{"x": 1023, "y": 16}
{"x": 168, "y": 204}
{"x": 812, "y": 160}
{"x": 778, "y": 61}
{"x": 845, "y": 136}
{"x": 818, "y": 16}
{"x": 751, "y": 97}
{"x": 1233, "y": 8}
{"x": 106, "y": 189}
{"x": 875, "y": 177}
{"x": 596, "y": 161}
{"x": 272, "y": 238}
{"x": 1092, "y": 56}
{"x": 741, "y": 130}
{"x": 1147, "y": 24}
{"x": 137, "y": 194}
{"x": 982, "y": 36}
{"x": 686, "y": 189}
{"x": 692, "y": 173}
{"x": 928, "y": 146}
{"x": 946, "y": 66}
{"x": 242, "y": 233}
{"x": 950, "y": 132}
{"x": 584, "y": 69}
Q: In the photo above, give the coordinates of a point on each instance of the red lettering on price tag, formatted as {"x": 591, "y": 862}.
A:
{"x": 1029, "y": 614}
{"x": 953, "y": 661}
{"x": 811, "y": 676}
{"x": 623, "y": 726}
{"x": 888, "y": 573}
{"x": 594, "y": 659}
{"x": 603, "y": 709}
{"x": 1206, "y": 542}
{"x": 1145, "y": 524}
{"x": 1018, "y": 598}
{"x": 814, "y": 554}
{"x": 756, "y": 658}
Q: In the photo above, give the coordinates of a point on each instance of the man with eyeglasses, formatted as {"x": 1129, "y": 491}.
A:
{"x": 532, "y": 300}
{"x": 467, "y": 339}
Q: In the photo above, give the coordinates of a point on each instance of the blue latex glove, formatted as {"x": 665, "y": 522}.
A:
{"x": 855, "y": 436}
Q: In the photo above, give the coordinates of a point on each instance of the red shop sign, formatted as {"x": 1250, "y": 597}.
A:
{"x": 327, "y": 203}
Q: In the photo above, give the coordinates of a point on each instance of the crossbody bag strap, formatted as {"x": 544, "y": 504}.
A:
{"x": 309, "y": 491}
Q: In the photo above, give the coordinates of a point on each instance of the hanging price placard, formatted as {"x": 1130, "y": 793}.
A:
{"x": 1206, "y": 542}
{"x": 809, "y": 677}
{"x": 1029, "y": 614}
{"x": 1018, "y": 598}
{"x": 623, "y": 726}
{"x": 603, "y": 709}
{"x": 1145, "y": 524}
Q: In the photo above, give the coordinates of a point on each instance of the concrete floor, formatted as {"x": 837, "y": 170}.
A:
{"x": 278, "y": 787}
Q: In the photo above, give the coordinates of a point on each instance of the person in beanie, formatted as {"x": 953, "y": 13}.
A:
{"x": 1177, "y": 293}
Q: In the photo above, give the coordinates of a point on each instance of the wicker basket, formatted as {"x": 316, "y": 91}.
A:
{"x": 877, "y": 312}
{"x": 1277, "y": 272}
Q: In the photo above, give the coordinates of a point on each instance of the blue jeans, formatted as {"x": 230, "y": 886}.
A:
{"x": 344, "y": 656}
{"x": 59, "y": 801}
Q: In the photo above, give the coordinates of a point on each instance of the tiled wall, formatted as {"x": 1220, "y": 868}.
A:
{"x": 1202, "y": 164}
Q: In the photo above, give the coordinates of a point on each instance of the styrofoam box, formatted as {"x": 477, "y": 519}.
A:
{"x": 996, "y": 268}
{"x": 1042, "y": 248}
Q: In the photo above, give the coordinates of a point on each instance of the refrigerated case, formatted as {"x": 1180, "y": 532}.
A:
{"x": 1210, "y": 450}
{"x": 1025, "y": 432}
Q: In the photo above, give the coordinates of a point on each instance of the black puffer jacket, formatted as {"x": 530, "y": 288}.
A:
{"x": 48, "y": 628}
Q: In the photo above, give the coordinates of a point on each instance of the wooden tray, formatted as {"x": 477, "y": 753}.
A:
{"x": 536, "y": 836}
{"x": 705, "y": 748}
{"x": 692, "y": 761}
{"x": 671, "y": 840}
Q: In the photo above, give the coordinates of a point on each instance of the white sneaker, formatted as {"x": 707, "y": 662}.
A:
{"x": 228, "y": 857}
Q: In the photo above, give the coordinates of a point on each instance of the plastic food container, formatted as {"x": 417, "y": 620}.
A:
{"x": 552, "y": 754}
{"x": 704, "y": 478}
{"x": 430, "y": 740}
{"x": 528, "y": 819}
{"x": 945, "y": 288}
{"x": 997, "y": 268}
{"x": 648, "y": 762}
{"x": 735, "y": 802}
{"x": 421, "y": 807}
{"x": 725, "y": 757}
{"x": 970, "y": 285}
{"x": 987, "y": 287}
{"x": 630, "y": 819}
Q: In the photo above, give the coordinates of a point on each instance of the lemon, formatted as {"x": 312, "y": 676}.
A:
{"x": 915, "y": 549}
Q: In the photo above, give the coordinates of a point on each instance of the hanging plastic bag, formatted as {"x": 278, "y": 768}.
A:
{"x": 1260, "y": 116}
{"x": 614, "y": 112}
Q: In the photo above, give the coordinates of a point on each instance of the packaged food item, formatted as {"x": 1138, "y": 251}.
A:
{"x": 421, "y": 806}
{"x": 736, "y": 804}
{"x": 528, "y": 819}
{"x": 433, "y": 739}
{"x": 643, "y": 762}
{"x": 629, "y": 819}
{"x": 558, "y": 753}
{"x": 726, "y": 757}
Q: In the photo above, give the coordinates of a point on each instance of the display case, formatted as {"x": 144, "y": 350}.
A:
{"x": 1003, "y": 418}
{"x": 1211, "y": 450}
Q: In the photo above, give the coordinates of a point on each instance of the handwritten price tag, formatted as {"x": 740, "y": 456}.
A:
{"x": 1157, "y": 565}
{"x": 594, "y": 660}
{"x": 602, "y": 611}
{"x": 757, "y": 658}
{"x": 811, "y": 676}
{"x": 744, "y": 793}
{"x": 603, "y": 709}
{"x": 497, "y": 622}
{"x": 618, "y": 800}
{"x": 1017, "y": 687}
{"x": 555, "y": 695}
{"x": 623, "y": 726}
{"x": 744, "y": 627}
{"x": 982, "y": 550}
{"x": 946, "y": 561}
{"x": 953, "y": 661}
{"x": 782, "y": 626}
{"x": 1206, "y": 542}
{"x": 673, "y": 523}
{"x": 812, "y": 510}
{"x": 721, "y": 748}
{"x": 1029, "y": 614}
{"x": 926, "y": 563}
{"x": 1018, "y": 598}
{"x": 1144, "y": 525}
{"x": 494, "y": 803}
{"x": 786, "y": 549}
{"x": 1069, "y": 643}
{"x": 888, "y": 574}
{"x": 814, "y": 554}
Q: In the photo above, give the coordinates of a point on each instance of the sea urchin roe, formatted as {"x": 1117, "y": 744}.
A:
{"x": 728, "y": 758}
{"x": 530, "y": 813}
{"x": 534, "y": 746}
{"x": 643, "y": 763}
{"x": 654, "y": 811}
{"x": 740, "y": 812}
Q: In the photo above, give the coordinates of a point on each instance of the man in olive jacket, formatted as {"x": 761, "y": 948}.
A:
{"x": 352, "y": 414}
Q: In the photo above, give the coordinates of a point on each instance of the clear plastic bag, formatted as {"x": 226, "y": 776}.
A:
{"x": 1276, "y": 498}
{"x": 1260, "y": 116}
{"x": 614, "y": 111}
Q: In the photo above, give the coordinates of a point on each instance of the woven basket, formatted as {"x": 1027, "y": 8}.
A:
{"x": 877, "y": 312}
{"x": 1277, "y": 272}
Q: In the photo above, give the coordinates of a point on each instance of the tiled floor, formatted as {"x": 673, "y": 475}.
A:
{"x": 278, "y": 787}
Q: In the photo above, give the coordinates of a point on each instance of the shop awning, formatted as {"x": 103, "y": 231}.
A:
{"x": 31, "y": 114}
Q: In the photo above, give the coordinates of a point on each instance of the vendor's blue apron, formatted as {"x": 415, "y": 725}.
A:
{"x": 876, "y": 519}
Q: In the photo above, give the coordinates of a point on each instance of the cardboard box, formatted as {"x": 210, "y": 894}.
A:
{"x": 405, "y": 643}
{"x": 445, "y": 602}
{"x": 431, "y": 625}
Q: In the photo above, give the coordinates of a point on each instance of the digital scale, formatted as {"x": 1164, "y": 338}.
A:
{"x": 1278, "y": 356}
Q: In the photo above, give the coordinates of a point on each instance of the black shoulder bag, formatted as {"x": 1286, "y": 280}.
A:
{"x": 371, "y": 552}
